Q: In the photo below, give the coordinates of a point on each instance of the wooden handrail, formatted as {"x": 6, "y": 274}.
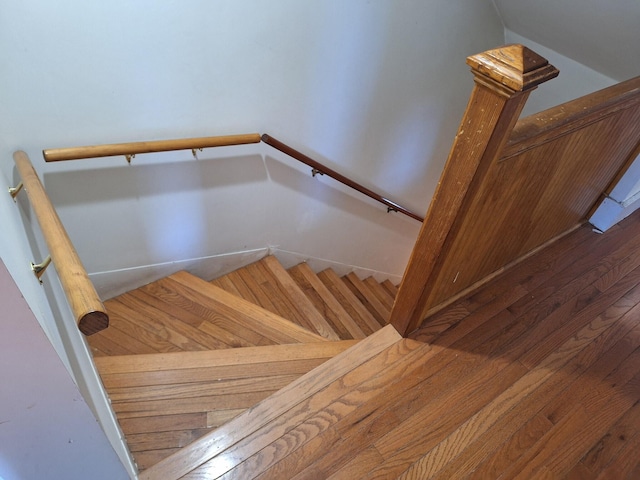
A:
{"x": 320, "y": 168}
{"x": 543, "y": 127}
{"x": 128, "y": 149}
{"x": 90, "y": 313}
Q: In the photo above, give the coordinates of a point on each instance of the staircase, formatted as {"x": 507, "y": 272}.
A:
{"x": 195, "y": 368}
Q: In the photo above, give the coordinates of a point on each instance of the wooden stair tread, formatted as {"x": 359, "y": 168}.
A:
{"x": 176, "y": 307}
{"x": 233, "y": 282}
{"x": 390, "y": 287}
{"x": 266, "y": 295}
{"x": 156, "y": 321}
{"x": 305, "y": 423}
{"x": 246, "y": 315}
{"x": 107, "y": 343}
{"x": 183, "y": 356}
{"x": 268, "y": 284}
{"x": 356, "y": 309}
{"x": 364, "y": 293}
{"x": 165, "y": 401}
{"x": 325, "y": 302}
{"x": 380, "y": 292}
{"x": 215, "y": 320}
{"x": 216, "y": 442}
{"x": 297, "y": 297}
{"x": 248, "y": 356}
{"x": 157, "y": 318}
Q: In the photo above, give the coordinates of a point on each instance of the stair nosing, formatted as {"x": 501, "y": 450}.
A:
{"x": 123, "y": 364}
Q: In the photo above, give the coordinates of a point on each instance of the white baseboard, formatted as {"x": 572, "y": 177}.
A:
{"x": 112, "y": 283}
{"x": 115, "y": 282}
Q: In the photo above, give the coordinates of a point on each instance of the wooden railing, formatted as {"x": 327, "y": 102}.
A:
{"x": 319, "y": 168}
{"x": 511, "y": 187}
{"x": 86, "y": 306}
{"x": 85, "y": 303}
{"x": 133, "y": 148}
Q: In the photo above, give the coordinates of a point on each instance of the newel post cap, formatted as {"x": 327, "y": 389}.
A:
{"x": 513, "y": 66}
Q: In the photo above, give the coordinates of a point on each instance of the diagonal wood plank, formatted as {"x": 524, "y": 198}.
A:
{"x": 357, "y": 311}
{"x": 244, "y": 313}
{"x": 380, "y": 292}
{"x": 291, "y": 290}
{"x": 305, "y": 421}
{"x": 196, "y": 454}
{"x": 361, "y": 290}
{"x": 325, "y": 302}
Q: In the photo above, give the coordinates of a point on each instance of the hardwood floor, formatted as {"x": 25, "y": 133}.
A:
{"x": 537, "y": 375}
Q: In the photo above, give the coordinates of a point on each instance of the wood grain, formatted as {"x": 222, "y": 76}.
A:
{"x": 133, "y": 148}
{"x": 276, "y": 441}
{"x": 507, "y": 386}
{"x": 169, "y": 401}
{"x": 84, "y": 301}
{"x": 514, "y": 186}
{"x": 499, "y": 394}
{"x": 379, "y": 292}
{"x": 368, "y": 298}
{"x": 324, "y": 302}
{"x": 297, "y": 297}
{"x": 489, "y": 118}
{"x": 357, "y": 311}
{"x": 203, "y": 450}
{"x": 241, "y": 312}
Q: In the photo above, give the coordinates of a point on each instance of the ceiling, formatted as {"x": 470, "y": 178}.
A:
{"x": 601, "y": 34}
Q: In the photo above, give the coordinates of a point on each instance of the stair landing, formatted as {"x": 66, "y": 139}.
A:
{"x": 183, "y": 356}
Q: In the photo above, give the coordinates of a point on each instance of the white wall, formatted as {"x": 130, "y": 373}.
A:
{"x": 601, "y": 34}
{"x": 575, "y": 80}
{"x": 21, "y": 243}
{"x": 374, "y": 89}
{"x": 47, "y": 429}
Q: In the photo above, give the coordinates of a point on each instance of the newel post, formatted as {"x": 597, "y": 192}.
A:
{"x": 503, "y": 78}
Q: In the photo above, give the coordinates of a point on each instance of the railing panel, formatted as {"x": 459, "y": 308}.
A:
{"x": 501, "y": 204}
{"x": 535, "y": 196}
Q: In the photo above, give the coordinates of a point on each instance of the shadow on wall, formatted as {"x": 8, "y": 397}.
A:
{"x": 336, "y": 197}
{"x": 139, "y": 180}
{"x": 137, "y": 216}
{"x": 144, "y": 214}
